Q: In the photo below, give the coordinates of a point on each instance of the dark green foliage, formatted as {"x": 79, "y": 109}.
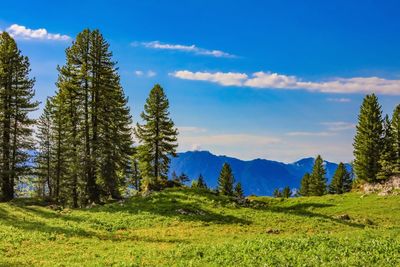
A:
{"x": 90, "y": 134}
{"x": 367, "y": 142}
{"x": 341, "y": 181}
{"x": 158, "y": 139}
{"x": 317, "y": 184}
{"x": 305, "y": 185}
{"x": 238, "y": 191}
{"x": 286, "y": 192}
{"x": 226, "y": 180}
{"x": 395, "y": 123}
{"x": 183, "y": 178}
{"x": 16, "y": 101}
{"x": 277, "y": 193}
{"x": 199, "y": 183}
{"x": 387, "y": 159}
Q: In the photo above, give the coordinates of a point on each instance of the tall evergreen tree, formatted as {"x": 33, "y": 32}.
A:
{"x": 286, "y": 192}
{"x": 201, "y": 183}
{"x": 317, "y": 185}
{"x": 226, "y": 180}
{"x": 16, "y": 102}
{"x": 277, "y": 193}
{"x": 43, "y": 157}
{"x": 367, "y": 142}
{"x": 396, "y": 137}
{"x": 238, "y": 190}
{"x": 341, "y": 181}
{"x": 387, "y": 159}
{"x": 157, "y": 138}
{"x": 305, "y": 185}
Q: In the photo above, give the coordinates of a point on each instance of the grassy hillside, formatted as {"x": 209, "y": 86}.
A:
{"x": 186, "y": 227}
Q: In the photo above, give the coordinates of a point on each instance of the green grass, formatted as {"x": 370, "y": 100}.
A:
{"x": 213, "y": 231}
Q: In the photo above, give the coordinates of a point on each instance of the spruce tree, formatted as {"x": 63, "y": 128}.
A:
{"x": 44, "y": 155}
{"x": 305, "y": 185}
{"x": 16, "y": 102}
{"x": 238, "y": 191}
{"x": 387, "y": 159}
{"x": 226, "y": 180}
{"x": 286, "y": 192}
{"x": 367, "y": 142}
{"x": 277, "y": 193}
{"x": 396, "y": 137}
{"x": 317, "y": 185}
{"x": 201, "y": 183}
{"x": 341, "y": 181}
{"x": 157, "y": 138}
{"x": 183, "y": 178}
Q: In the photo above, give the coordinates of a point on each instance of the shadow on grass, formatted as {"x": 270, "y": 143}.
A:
{"x": 177, "y": 204}
{"x": 305, "y": 210}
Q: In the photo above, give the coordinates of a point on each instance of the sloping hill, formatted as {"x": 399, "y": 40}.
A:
{"x": 183, "y": 227}
{"x": 259, "y": 176}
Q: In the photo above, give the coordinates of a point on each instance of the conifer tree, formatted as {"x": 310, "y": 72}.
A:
{"x": 157, "y": 138}
{"x": 367, "y": 142}
{"x": 16, "y": 101}
{"x": 201, "y": 183}
{"x": 183, "y": 178}
{"x": 305, "y": 185}
{"x": 395, "y": 123}
{"x": 387, "y": 159}
{"x": 341, "y": 181}
{"x": 226, "y": 180}
{"x": 238, "y": 191}
{"x": 277, "y": 193}
{"x": 286, "y": 192}
{"x": 317, "y": 185}
{"x": 44, "y": 155}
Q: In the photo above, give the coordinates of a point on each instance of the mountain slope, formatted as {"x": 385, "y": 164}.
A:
{"x": 259, "y": 176}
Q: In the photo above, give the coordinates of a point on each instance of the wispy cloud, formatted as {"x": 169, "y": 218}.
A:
{"x": 310, "y": 134}
{"x": 339, "y": 125}
{"x": 184, "y": 48}
{"x": 141, "y": 73}
{"x": 268, "y": 80}
{"x": 339, "y": 100}
{"x": 22, "y": 32}
{"x": 191, "y": 129}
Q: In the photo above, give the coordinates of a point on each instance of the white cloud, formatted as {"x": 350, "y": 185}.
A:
{"x": 19, "y": 31}
{"x": 268, "y": 80}
{"x": 148, "y": 73}
{"x": 191, "y": 129}
{"x": 310, "y": 134}
{"x": 339, "y": 100}
{"x": 184, "y": 48}
{"x": 151, "y": 73}
{"x": 138, "y": 73}
{"x": 339, "y": 125}
{"x": 223, "y": 78}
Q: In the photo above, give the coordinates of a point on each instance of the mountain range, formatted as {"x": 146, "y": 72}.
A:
{"x": 258, "y": 176}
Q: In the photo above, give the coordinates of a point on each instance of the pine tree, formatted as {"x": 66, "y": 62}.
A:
{"x": 286, "y": 192}
{"x": 396, "y": 137}
{"x": 305, "y": 185}
{"x": 158, "y": 139}
{"x": 226, "y": 180}
{"x": 387, "y": 159}
{"x": 277, "y": 193}
{"x": 367, "y": 142}
{"x": 238, "y": 191}
{"x": 16, "y": 102}
{"x": 183, "y": 178}
{"x": 317, "y": 185}
{"x": 341, "y": 181}
{"x": 44, "y": 155}
{"x": 201, "y": 183}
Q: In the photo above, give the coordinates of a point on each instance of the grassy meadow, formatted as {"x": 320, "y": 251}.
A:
{"x": 185, "y": 227}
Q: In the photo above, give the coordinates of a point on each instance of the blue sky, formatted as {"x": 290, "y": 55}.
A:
{"x": 252, "y": 79}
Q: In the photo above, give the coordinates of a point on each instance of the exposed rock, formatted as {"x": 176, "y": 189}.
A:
{"x": 273, "y": 231}
{"x": 344, "y": 217}
{"x": 190, "y": 212}
{"x": 389, "y": 187}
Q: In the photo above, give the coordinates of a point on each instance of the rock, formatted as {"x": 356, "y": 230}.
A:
{"x": 388, "y": 187}
{"x": 344, "y": 217}
{"x": 190, "y": 212}
{"x": 273, "y": 231}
